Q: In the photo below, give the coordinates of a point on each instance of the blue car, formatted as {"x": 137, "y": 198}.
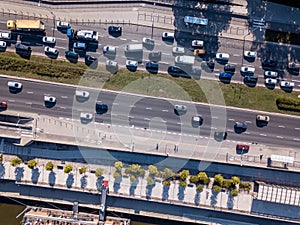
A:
{"x": 225, "y": 76}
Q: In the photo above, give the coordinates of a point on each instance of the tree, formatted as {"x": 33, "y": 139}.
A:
{"x": 167, "y": 183}
{"x": 127, "y": 170}
{"x": 184, "y": 174}
{"x": 150, "y": 180}
{"x": 199, "y": 188}
{"x": 227, "y": 183}
{"x": 99, "y": 172}
{"x": 132, "y": 178}
{"x": 153, "y": 171}
{"x": 194, "y": 179}
{"x": 182, "y": 183}
{"x": 219, "y": 180}
{"x": 206, "y": 181}
{"x": 235, "y": 180}
{"x": 49, "y": 166}
{"x": 16, "y": 162}
{"x": 31, "y": 164}
{"x": 168, "y": 173}
{"x": 68, "y": 168}
{"x": 216, "y": 188}
{"x": 82, "y": 170}
{"x": 117, "y": 174}
{"x": 118, "y": 165}
{"x": 202, "y": 176}
{"x": 141, "y": 172}
{"x": 234, "y": 192}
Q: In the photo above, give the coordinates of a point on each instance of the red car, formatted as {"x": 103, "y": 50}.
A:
{"x": 3, "y": 105}
{"x": 240, "y": 147}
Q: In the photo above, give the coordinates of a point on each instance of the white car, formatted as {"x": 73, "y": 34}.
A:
{"x": 49, "y": 99}
{"x": 2, "y": 44}
{"x": 86, "y": 117}
{"x": 49, "y": 50}
{"x": 110, "y": 63}
{"x": 247, "y": 71}
{"x": 222, "y": 56}
{"x": 82, "y": 94}
{"x": 178, "y": 50}
{"x": 63, "y": 25}
{"x": 271, "y": 74}
{"x": 197, "y": 44}
{"x": 271, "y": 81}
{"x": 148, "y": 41}
{"x": 15, "y": 85}
{"x": 263, "y": 118}
{"x": 168, "y": 36}
{"x": 49, "y": 40}
{"x": 5, "y": 35}
{"x": 287, "y": 84}
{"x": 131, "y": 63}
{"x": 107, "y": 49}
{"x": 249, "y": 54}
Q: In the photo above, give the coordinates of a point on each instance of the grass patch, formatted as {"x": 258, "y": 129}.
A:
{"x": 140, "y": 82}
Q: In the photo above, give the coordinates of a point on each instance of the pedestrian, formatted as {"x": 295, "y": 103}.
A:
{"x": 156, "y": 147}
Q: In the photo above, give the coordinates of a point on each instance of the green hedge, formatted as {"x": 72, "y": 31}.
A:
{"x": 286, "y": 103}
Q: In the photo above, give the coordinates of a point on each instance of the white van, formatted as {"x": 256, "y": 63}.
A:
{"x": 185, "y": 60}
{"x": 133, "y": 48}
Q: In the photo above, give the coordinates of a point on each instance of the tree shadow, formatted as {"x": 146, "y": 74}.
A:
{"x": 165, "y": 193}
{"x": 35, "y": 174}
{"x": 83, "y": 181}
{"x": 52, "y": 178}
{"x": 197, "y": 198}
{"x": 99, "y": 183}
{"x": 181, "y": 193}
{"x": 133, "y": 187}
{"x": 230, "y": 202}
{"x": 117, "y": 184}
{"x": 19, "y": 172}
{"x": 70, "y": 180}
{"x": 213, "y": 198}
{"x": 149, "y": 189}
{"x": 2, "y": 171}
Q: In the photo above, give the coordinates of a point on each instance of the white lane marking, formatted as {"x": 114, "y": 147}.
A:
{"x": 64, "y": 96}
{"x": 11, "y": 100}
{"x": 166, "y": 53}
{"x": 230, "y": 130}
{"x": 214, "y": 117}
{"x": 216, "y": 74}
{"x": 164, "y": 63}
{"x": 237, "y": 55}
{"x": 231, "y": 119}
{"x": 115, "y": 103}
{"x": 165, "y": 110}
{"x": 123, "y": 39}
{"x": 233, "y": 63}
{"x": 28, "y": 103}
{"x": 99, "y": 44}
{"x": 279, "y": 137}
{"x": 263, "y": 135}
{"x": 29, "y": 92}
{"x": 179, "y": 123}
{"x": 158, "y": 43}
{"x": 146, "y": 119}
{"x": 217, "y": 69}
{"x": 63, "y": 39}
{"x": 297, "y": 128}
{"x": 295, "y": 80}
{"x": 281, "y": 126}
{"x": 60, "y": 47}
{"x": 62, "y": 107}
{"x": 247, "y": 132}
{"x": 296, "y": 139}
{"x": 149, "y": 108}
{"x": 134, "y": 40}
{"x": 132, "y": 106}
{"x": 247, "y": 121}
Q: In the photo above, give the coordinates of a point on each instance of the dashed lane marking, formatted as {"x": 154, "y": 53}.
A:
{"x": 231, "y": 119}
{"x": 281, "y": 126}
{"x": 165, "y": 110}
{"x": 11, "y": 100}
{"x": 29, "y": 92}
{"x": 149, "y": 108}
{"x": 166, "y": 63}
{"x": 28, "y": 103}
{"x": 64, "y": 96}
{"x": 296, "y": 139}
{"x": 279, "y": 137}
{"x": 263, "y": 135}
{"x": 146, "y": 119}
{"x": 134, "y": 40}
{"x": 123, "y": 39}
{"x": 297, "y": 128}
{"x": 237, "y": 55}
{"x": 166, "y": 53}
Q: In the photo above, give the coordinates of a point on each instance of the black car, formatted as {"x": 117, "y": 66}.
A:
{"x": 155, "y": 56}
{"x": 208, "y": 66}
{"x": 115, "y": 31}
{"x": 177, "y": 72}
{"x": 23, "y": 50}
{"x": 250, "y": 79}
{"x": 101, "y": 108}
{"x": 152, "y": 67}
{"x": 229, "y": 68}
{"x": 269, "y": 63}
{"x": 89, "y": 60}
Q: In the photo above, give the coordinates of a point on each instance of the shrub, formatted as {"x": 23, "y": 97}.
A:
{"x": 153, "y": 171}
{"x": 31, "y": 164}
{"x": 216, "y": 188}
{"x": 127, "y": 170}
{"x": 167, "y": 183}
{"x": 287, "y": 103}
{"x": 202, "y": 176}
{"x": 184, "y": 174}
{"x": 141, "y": 172}
{"x": 150, "y": 180}
{"x": 206, "y": 181}
{"x": 132, "y": 178}
{"x": 245, "y": 186}
{"x": 135, "y": 169}
{"x": 227, "y": 183}
{"x": 16, "y": 162}
{"x": 117, "y": 174}
{"x": 99, "y": 172}
{"x": 199, "y": 188}
{"x": 194, "y": 179}
{"x": 118, "y": 165}
{"x": 234, "y": 192}
{"x": 68, "y": 168}
{"x": 235, "y": 180}
{"x": 182, "y": 183}
{"x": 82, "y": 170}
{"x": 168, "y": 173}
{"x": 218, "y": 180}
{"x": 49, "y": 166}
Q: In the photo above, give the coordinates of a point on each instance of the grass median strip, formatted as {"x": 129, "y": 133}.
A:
{"x": 160, "y": 85}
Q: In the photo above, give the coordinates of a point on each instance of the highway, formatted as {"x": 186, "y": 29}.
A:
{"x": 153, "y": 113}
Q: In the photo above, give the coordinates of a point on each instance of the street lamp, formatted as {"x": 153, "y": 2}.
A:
{"x": 39, "y": 4}
{"x": 152, "y": 18}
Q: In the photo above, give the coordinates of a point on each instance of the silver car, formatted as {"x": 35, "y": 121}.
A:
{"x": 49, "y": 40}
{"x": 178, "y": 51}
{"x": 49, "y": 50}
{"x": 271, "y": 74}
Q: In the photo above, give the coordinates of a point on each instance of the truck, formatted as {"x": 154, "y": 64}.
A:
{"x": 25, "y": 25}
{"x": 195, "y": 20}
{"x": 185, "y": 60}
{"x": 83, "y": 35}
{"x": 131, "y": 48}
